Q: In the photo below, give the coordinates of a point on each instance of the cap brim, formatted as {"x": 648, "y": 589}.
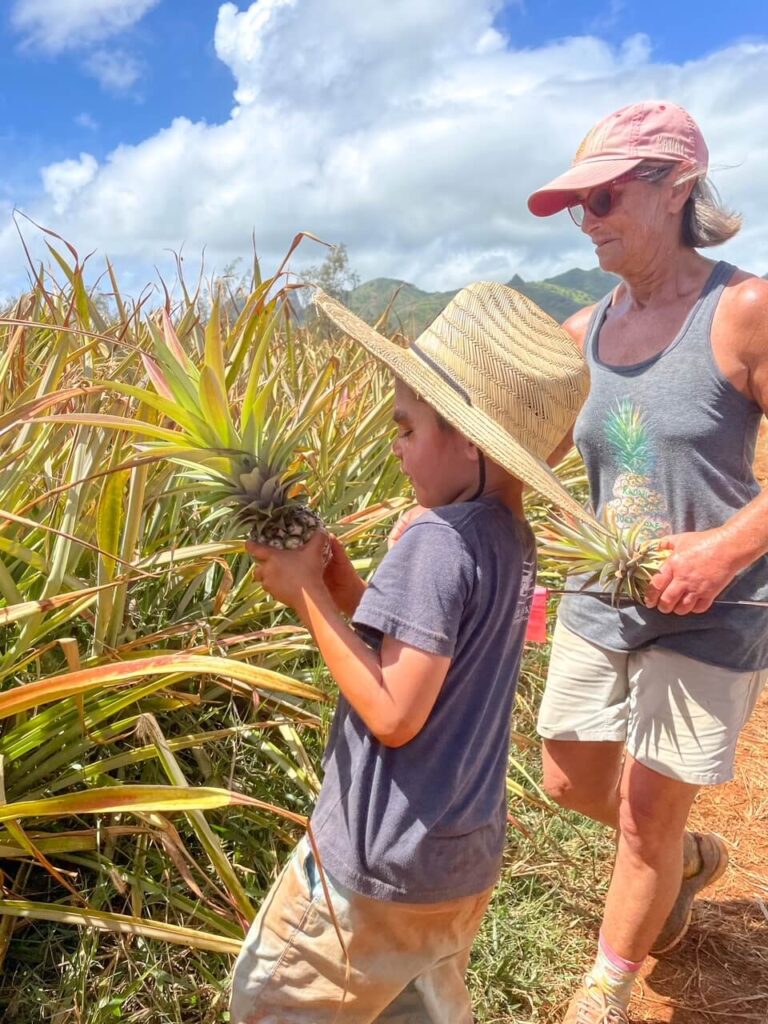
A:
{"x": 493, "y": 440}
{"x": 561, "y": 191}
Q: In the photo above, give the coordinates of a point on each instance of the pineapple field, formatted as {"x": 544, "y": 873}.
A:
{"x": 162, "y": 717}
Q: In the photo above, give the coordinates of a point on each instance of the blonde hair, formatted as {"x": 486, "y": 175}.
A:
{"x": 706, "y": 221}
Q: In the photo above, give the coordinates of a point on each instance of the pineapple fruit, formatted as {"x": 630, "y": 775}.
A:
{"x": 265, "y": 500}
{"x": 619, "y": 561}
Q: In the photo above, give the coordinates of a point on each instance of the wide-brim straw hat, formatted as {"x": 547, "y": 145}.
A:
{"x": 498, "y": 369}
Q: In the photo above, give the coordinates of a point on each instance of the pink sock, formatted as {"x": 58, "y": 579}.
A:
{"x": 614, "y": 975}
{"x": 631, "y": 966}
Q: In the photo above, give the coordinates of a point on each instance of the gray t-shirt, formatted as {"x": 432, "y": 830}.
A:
{"x": 426, "y": 821}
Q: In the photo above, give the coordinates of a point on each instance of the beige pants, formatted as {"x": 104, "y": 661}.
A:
{"x": 407, "y": 961}
{"x": 679, "y": 716}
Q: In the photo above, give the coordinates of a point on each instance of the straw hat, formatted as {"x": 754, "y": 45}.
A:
{"x": 498, "y": 369}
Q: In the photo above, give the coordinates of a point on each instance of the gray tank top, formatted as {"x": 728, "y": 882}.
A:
{"x": 671, "y": 441}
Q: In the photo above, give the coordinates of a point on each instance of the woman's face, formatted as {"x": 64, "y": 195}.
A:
{"x": 641, "y": 224}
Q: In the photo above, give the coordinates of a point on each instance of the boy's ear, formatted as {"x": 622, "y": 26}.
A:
{"x": 471, "y": 450}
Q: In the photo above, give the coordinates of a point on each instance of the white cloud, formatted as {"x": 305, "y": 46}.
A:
{"x": 86, "y": 120}
{"x": 57, "y": 25}
{"x": 63, "y": 180}
{"x": 114, "y": 69}
{"x": 412, "y": 132}
{"x": 52, "y": 27}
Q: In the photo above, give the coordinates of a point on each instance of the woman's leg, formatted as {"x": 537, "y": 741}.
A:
{"x": 649, "y": 859}
{"x": 584, "y": 776}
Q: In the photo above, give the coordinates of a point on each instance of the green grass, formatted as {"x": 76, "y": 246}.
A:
{"x": 541, "y": 928}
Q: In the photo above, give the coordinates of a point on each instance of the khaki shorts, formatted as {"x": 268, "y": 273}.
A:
{"x": 679, "y": 716}
{"x": 406, "y": 960}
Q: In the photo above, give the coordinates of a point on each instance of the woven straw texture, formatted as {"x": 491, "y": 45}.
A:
{"x": 498, "y": 369}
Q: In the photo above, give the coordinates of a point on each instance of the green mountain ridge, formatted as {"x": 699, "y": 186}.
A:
{"x": 409, "y": 309}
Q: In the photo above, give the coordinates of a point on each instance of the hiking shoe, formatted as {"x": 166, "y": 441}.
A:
{"x": 590, "y": 1006}
{"x": 713, "y": 855}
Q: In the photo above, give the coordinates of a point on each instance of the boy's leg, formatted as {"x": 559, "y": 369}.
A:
{"x": 291, "y": 969}
{"x": 439, "y": 994}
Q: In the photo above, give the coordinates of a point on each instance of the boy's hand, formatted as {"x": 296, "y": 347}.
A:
{"x": 344, "y": 584}
{"x": 289, "y": 575}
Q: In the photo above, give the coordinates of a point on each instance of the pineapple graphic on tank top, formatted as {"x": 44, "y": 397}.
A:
{"x": 634, "y": 497}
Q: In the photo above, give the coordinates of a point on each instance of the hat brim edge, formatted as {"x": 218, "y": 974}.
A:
{"x": 561, "y": 192}
{"x": 480, "y": 429}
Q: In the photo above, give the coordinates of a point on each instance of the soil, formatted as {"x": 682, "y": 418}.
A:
{"x": 719, "y": 973}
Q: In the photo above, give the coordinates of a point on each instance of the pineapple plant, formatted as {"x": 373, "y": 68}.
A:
{"x": 239, "y": 432}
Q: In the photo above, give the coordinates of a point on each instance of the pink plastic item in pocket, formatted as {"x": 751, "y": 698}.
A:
{"x": 536, "y": 633}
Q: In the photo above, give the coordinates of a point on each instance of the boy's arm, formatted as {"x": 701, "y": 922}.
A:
{"x": 392, "y": 690}
{"x": 344, "y": 584}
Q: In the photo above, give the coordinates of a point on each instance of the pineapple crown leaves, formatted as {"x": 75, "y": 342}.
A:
{"x": 620, "y": 560}
{"x": 221, "y": 439}
{"x": 628, "y": 435}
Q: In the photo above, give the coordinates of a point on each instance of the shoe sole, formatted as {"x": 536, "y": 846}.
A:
{"x": 719, "y": 871}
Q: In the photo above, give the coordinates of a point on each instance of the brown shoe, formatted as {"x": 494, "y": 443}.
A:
{"x": 713, "y": 855}
{"x": 590, "y": 1006}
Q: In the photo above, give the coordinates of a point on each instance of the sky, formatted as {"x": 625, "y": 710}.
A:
{"x": 411, "y": 131}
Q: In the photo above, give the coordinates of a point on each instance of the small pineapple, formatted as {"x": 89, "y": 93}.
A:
{"x": 635, "y": 501}
{"x": 621, "y": 561}
{"x": 267, "y": 501}
{"x": 619, "y": 552}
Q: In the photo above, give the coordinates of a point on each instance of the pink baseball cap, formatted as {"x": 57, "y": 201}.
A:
{"x": 651, "y": 130}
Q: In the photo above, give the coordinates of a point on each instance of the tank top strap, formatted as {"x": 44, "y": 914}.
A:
{"x": 703, "y": 312}
{"x": 698, "y": 322}
{"x": 594, "y": 325}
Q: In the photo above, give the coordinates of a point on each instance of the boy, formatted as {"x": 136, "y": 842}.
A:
{"x": 410, "y": 822}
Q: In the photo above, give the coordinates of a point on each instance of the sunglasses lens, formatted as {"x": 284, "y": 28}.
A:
{"x": 577, "y": 214}
{"x": 600, "y": 201}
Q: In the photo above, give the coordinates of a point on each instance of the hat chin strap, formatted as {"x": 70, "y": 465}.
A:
{"x": 481, "y": 488}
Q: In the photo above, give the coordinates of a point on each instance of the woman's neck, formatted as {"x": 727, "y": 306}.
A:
{"x": 664, "y": 277}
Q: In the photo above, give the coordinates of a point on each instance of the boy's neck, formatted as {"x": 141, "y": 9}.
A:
{"x": 504, "y": 488}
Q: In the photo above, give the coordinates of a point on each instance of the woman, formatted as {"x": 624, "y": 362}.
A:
{"x": 643, "y": 705}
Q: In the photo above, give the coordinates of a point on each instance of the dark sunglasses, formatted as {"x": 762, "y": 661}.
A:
{"x": 602, "y": 199}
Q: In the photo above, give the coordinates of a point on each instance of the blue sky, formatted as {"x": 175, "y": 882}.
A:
{"x": 197, "y": 122}
{"x": 679, "y": 29}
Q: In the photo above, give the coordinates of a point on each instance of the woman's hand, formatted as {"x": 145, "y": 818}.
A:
{"x": 403, "y": 523}
{"x": 699, "y": 567}
{"x": 290, "y": 575}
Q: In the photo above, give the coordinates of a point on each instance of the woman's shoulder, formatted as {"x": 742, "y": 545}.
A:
{"x": 744, "y": 304}
{"x": 577, "y": 324}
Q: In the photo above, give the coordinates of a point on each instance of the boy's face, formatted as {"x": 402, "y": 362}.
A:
{"x": 441, "y": 464}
